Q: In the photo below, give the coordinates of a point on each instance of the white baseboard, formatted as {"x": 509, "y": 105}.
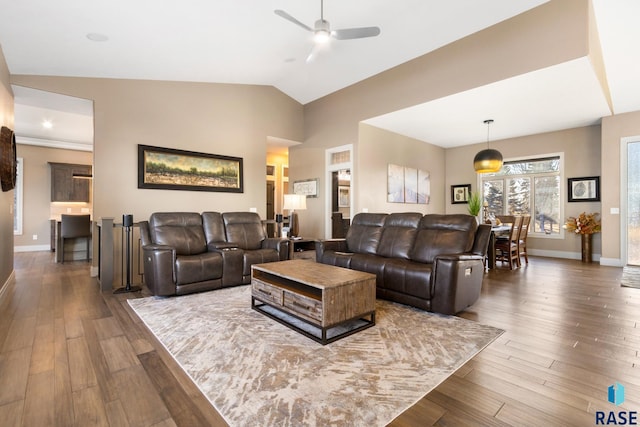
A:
{"x": 611, "y": 262}
{"x": 32, "y": 248}
{"x": 560, "y": 254}
{"x": 94, "y": 271}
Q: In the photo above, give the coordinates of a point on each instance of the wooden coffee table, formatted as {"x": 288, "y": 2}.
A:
{"x": 323, "y": 302}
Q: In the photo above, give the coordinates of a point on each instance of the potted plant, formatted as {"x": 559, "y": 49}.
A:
{"x": 474, "y": 203}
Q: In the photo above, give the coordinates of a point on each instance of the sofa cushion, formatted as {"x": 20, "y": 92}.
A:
{"x": 364, "y": 233}
{"x": 398, "y": 234}
{"x": 180, "y": 230}
{"x": 408, "y": 277}
{"x": 443, "y": 234}
{"x": 244, "y": 229}
{"x": 198, "y": 268}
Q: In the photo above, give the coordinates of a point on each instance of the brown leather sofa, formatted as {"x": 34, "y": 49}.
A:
{"x": 185, "y": 252}
{"x": 433, "y": 262}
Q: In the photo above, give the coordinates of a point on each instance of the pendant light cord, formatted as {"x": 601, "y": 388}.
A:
{"x": 488, "y": 122}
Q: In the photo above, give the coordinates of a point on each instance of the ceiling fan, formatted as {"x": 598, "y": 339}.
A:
{"x": 322, "y": 30}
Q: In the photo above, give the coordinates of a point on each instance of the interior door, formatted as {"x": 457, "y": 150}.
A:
{"x": 633, "y": 203}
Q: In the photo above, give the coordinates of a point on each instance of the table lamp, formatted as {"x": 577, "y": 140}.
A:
{"x": 294, "y": 202}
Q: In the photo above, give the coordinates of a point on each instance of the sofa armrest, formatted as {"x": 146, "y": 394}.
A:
{"x": 460, "y": 257}
{"x": 481, "y": 242}
{"x": 232, "y": 264}
{"x": 456, "y": 281}
{"x": 159, "y": 269}
{"x": 337, "y": 245}
{"x": 279, "y": 244}
{"x": 145, "y": 233}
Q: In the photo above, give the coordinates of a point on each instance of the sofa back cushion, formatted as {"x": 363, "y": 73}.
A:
{"x": 398, "y": 234}
{"x": 364, "y": 233}
{"x": 180, "y": 230}
{"x": 213, "y": 227}
{"x": 244, "y": 229}
{"x": 443, "y": 234}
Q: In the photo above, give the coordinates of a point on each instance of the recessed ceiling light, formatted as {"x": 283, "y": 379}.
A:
{"x": 97, "y": 37}
{"x": 47, "y": 124}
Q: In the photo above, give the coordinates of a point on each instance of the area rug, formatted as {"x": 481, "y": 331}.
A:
{"x": 257, "y": 372}
{"x": 630, "y": 277}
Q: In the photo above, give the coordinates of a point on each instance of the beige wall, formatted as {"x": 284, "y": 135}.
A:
{"x": 614, "y": 130}
{"x": 232, "y": 120}
{"x": 6, "y": 197}
{"x": 377, "y": 149}
{"x": 580, "y": 148}
{"x": 235, "y": 120}
{"x": 505, "y": 50}
{"x": 37, "y": 191}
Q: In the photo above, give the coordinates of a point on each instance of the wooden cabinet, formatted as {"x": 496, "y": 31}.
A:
{"x": 67, "y": 188}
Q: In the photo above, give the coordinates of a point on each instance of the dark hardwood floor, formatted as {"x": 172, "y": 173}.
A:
{"x": 72, "y": 356}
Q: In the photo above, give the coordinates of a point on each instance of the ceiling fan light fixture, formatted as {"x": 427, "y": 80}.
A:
{"x": 488, "y": 160}
{"x": 322, "y": 33}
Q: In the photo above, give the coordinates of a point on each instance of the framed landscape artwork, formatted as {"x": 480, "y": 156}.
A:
{"x": 171, "y": 169}
{"x": 308, "y": 187}
{"x": 585, "y": 189}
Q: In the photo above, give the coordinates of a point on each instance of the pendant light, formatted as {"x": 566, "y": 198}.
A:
{"x": 487, "y": 160}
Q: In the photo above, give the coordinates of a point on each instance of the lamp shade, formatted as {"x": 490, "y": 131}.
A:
{"x": 488, "y": 160}
{"x": 295, "y": 202}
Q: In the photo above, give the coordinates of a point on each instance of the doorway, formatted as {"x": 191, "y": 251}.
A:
{"x": 633, "y": 203}
{"x": 340, "y": 203}
{"x": 339, "y": 190}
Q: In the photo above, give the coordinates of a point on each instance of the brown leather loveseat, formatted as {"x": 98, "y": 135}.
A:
{"x": 433, "y": 262}
{"x": 185, "y": 252}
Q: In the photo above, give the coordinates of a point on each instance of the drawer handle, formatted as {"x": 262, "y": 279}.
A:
{"x": 306, "y": 307}
{"x": 264, "y": 292}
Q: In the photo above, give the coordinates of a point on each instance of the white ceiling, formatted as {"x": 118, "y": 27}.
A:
{"x": 245, "y": 42}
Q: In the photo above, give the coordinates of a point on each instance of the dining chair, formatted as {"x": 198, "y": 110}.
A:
{"x": 507, "y": 249}
{"x": 73, "y": 227}
{"x": 505, "y": 219}
{"x": 522, "y": 239}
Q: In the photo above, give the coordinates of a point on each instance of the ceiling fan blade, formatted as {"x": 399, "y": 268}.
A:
{"x": 316, "y": 51}
{"x": 290, "y": 18}
{"x": 356, "y": 33}
{"x": 312, "y": 55}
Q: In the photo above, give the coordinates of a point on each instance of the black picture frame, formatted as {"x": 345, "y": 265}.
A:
{"x": 172, "y": 169}
{"x": 585, "y": 189}
{"x": 460, "y": 193}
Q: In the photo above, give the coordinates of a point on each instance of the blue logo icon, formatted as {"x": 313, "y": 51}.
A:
{"x": 616, "y": 394}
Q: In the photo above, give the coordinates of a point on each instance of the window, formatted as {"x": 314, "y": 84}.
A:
{"x": 527, "y": 187}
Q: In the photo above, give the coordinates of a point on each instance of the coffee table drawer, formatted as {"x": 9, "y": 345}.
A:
{"x": 266, "y": 292}
{"x": 303, "y": 306}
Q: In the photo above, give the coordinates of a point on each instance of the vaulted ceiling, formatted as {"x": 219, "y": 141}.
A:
{"x": 245, "y": 42}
